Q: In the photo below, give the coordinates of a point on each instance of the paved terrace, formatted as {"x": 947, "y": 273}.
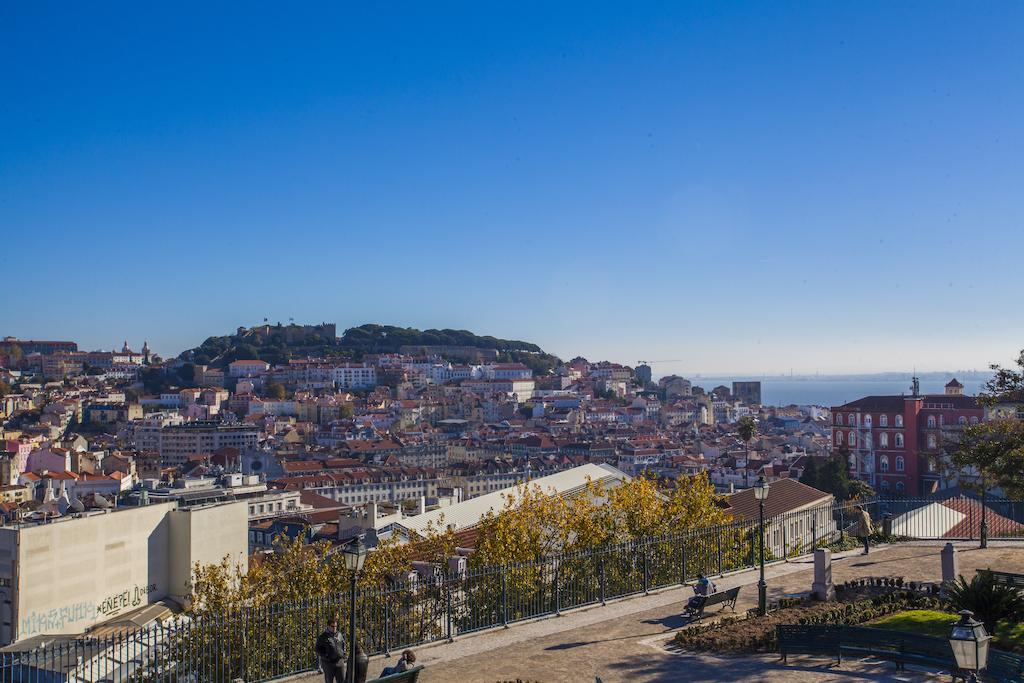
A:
{"x": 628, "y": 639}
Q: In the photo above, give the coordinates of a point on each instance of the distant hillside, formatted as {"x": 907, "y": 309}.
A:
{"x": 278, "y": 344}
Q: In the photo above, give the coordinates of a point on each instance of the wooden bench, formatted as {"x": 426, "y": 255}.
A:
{"x": 860, "y": 641}
{"x": 1003, "y": 667}
{"x": 702, "y": 602}
{"x": 409, "y": 676}
{"x": 895, "y": 646}
{"x": 798, "y": 639}
{"x": 1005, "y": 578}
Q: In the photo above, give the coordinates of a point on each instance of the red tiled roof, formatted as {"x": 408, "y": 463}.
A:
{"x": 970, "y": 526}
{"x": 784, "y": 495}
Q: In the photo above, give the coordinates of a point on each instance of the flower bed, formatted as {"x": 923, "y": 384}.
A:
{"x": 859, "y": 604}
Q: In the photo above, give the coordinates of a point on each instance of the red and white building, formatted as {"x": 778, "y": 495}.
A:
{"x": 895, "y": 442}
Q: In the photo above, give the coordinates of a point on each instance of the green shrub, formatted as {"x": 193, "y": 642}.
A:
{"x": 989, "y": 600}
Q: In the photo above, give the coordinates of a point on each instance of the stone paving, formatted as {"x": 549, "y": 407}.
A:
{"x": 629, "y": 639}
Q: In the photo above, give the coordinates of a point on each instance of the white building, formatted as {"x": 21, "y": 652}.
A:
{"x": 354, "y": 376}
{"x": 177, "y": 442}
{"x": 468, "y": 513}
{"x": 74, "y": 572}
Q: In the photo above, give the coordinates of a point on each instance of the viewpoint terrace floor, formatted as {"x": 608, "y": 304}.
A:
{"x": 628, "y": 639}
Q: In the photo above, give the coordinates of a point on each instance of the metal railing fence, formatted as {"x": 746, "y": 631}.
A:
{"x": 261, "y": 644}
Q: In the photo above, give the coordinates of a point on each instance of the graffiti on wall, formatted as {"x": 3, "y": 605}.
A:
{"x": 136, "y": 596}
{"x": 75, "y": 616}
{"x": 80, "y": 615}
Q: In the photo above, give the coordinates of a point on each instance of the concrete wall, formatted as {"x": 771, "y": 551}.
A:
{"x": 70, "y": 574}
{"x": 206, "y": 535}
{"x": 74, "y": 573}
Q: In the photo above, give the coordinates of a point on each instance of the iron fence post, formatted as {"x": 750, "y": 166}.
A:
{"x": 504, "y": 599}
{"x": 682, "y": 562}
{"x": 600, "y": 569}
{"x": 646, "y": 572}
{"x": 719, "y": 540}
{"x": 387, "y": 624}
{"x": 785, "y": 541}
{"x": 558, "y": 592}
{"x": 983, "y": 531}
{"x": 448, "y": 608}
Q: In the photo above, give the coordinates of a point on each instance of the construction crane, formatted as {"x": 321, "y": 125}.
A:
{"x": 648, "y": 362}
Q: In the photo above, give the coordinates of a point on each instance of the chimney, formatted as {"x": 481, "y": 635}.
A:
{"x": 423, "y": 505}
{"x": 373, "y": 515}
{"x": 732, "y": 487}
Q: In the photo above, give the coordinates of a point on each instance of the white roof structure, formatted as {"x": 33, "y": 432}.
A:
{"x": 934, "y": 520}
{"x": 468, "y": 513}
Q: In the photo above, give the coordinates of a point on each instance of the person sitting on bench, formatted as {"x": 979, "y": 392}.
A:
{"x": 702, "y": 589}
{"x": 405, "y": 662}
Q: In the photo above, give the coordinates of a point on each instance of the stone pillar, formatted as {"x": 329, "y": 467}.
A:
{"x": 822, "y": 588}
{"x": 950, "y": 564}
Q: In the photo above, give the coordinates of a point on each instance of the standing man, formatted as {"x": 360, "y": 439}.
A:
{"x": 862, "y": 527}
{"x": 331, "y": 652}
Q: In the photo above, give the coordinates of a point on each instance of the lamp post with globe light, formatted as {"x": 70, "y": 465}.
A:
{"x": 761, "y": 494}
{"x": 355, "y": 556}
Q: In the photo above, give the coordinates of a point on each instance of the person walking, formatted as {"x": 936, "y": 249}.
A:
{"x": 331, "y": 652}
{"x": 862, "y": 527}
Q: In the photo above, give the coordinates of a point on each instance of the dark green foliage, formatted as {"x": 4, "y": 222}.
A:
{"x": 994, "y": 448}
{"x": 358, "y": 341}
{"x": 832, "y": 476}
{"x": 387, "y": 339}
{"x": 990, "y": 601}
{"x": 746, "y": 428}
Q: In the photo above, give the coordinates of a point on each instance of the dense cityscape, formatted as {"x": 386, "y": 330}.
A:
{"x": 511, "y": 343}
{"x": 220, "y": 454}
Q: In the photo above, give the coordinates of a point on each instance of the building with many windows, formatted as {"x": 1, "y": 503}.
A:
{"x": 178, "y": 442}
{"x": 895, "y": 443}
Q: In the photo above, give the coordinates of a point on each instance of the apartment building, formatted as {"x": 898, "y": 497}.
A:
{"x": 366, "y": 485}
{"x": 895, "y": 443}
{"x": 178, "y": 442}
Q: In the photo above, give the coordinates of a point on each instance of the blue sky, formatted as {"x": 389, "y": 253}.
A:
{"x": 746, "y": 187}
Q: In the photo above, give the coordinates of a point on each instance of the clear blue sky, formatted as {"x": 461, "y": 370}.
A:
{"x": 748, "y": 187}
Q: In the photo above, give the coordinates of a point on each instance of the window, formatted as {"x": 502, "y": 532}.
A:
{"x": 932, "y": 441}
{"x": 867, "y": 420}
{"x": 867, "y": 440}
{"x": 942, "y": 420}
{"x": 899, "y": 420}
{"x": 883, "y": 463}
{"x": 839, "y": 418}
{"x": 931, "y": 422}
{"x": 899, "y": 487}
{"x": 900, "y": 462}
{"x": 899, "y": 440}
{"x": 883, "y": 420}
{"x": 883, "y": 440}
{"x": 961, "y": 420}
{"x": 885, "y": 486}
{"x": 839, "y": 438}
{"x": 851, "y": 420}
{"x": 853, "y": 438}
{"x": 974, "y": 419}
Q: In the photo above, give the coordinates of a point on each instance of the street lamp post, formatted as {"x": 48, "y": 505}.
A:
{"x": 761, "y": 493}
{"x": 969, "y": 642}
{"x": 355, "y": 556}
